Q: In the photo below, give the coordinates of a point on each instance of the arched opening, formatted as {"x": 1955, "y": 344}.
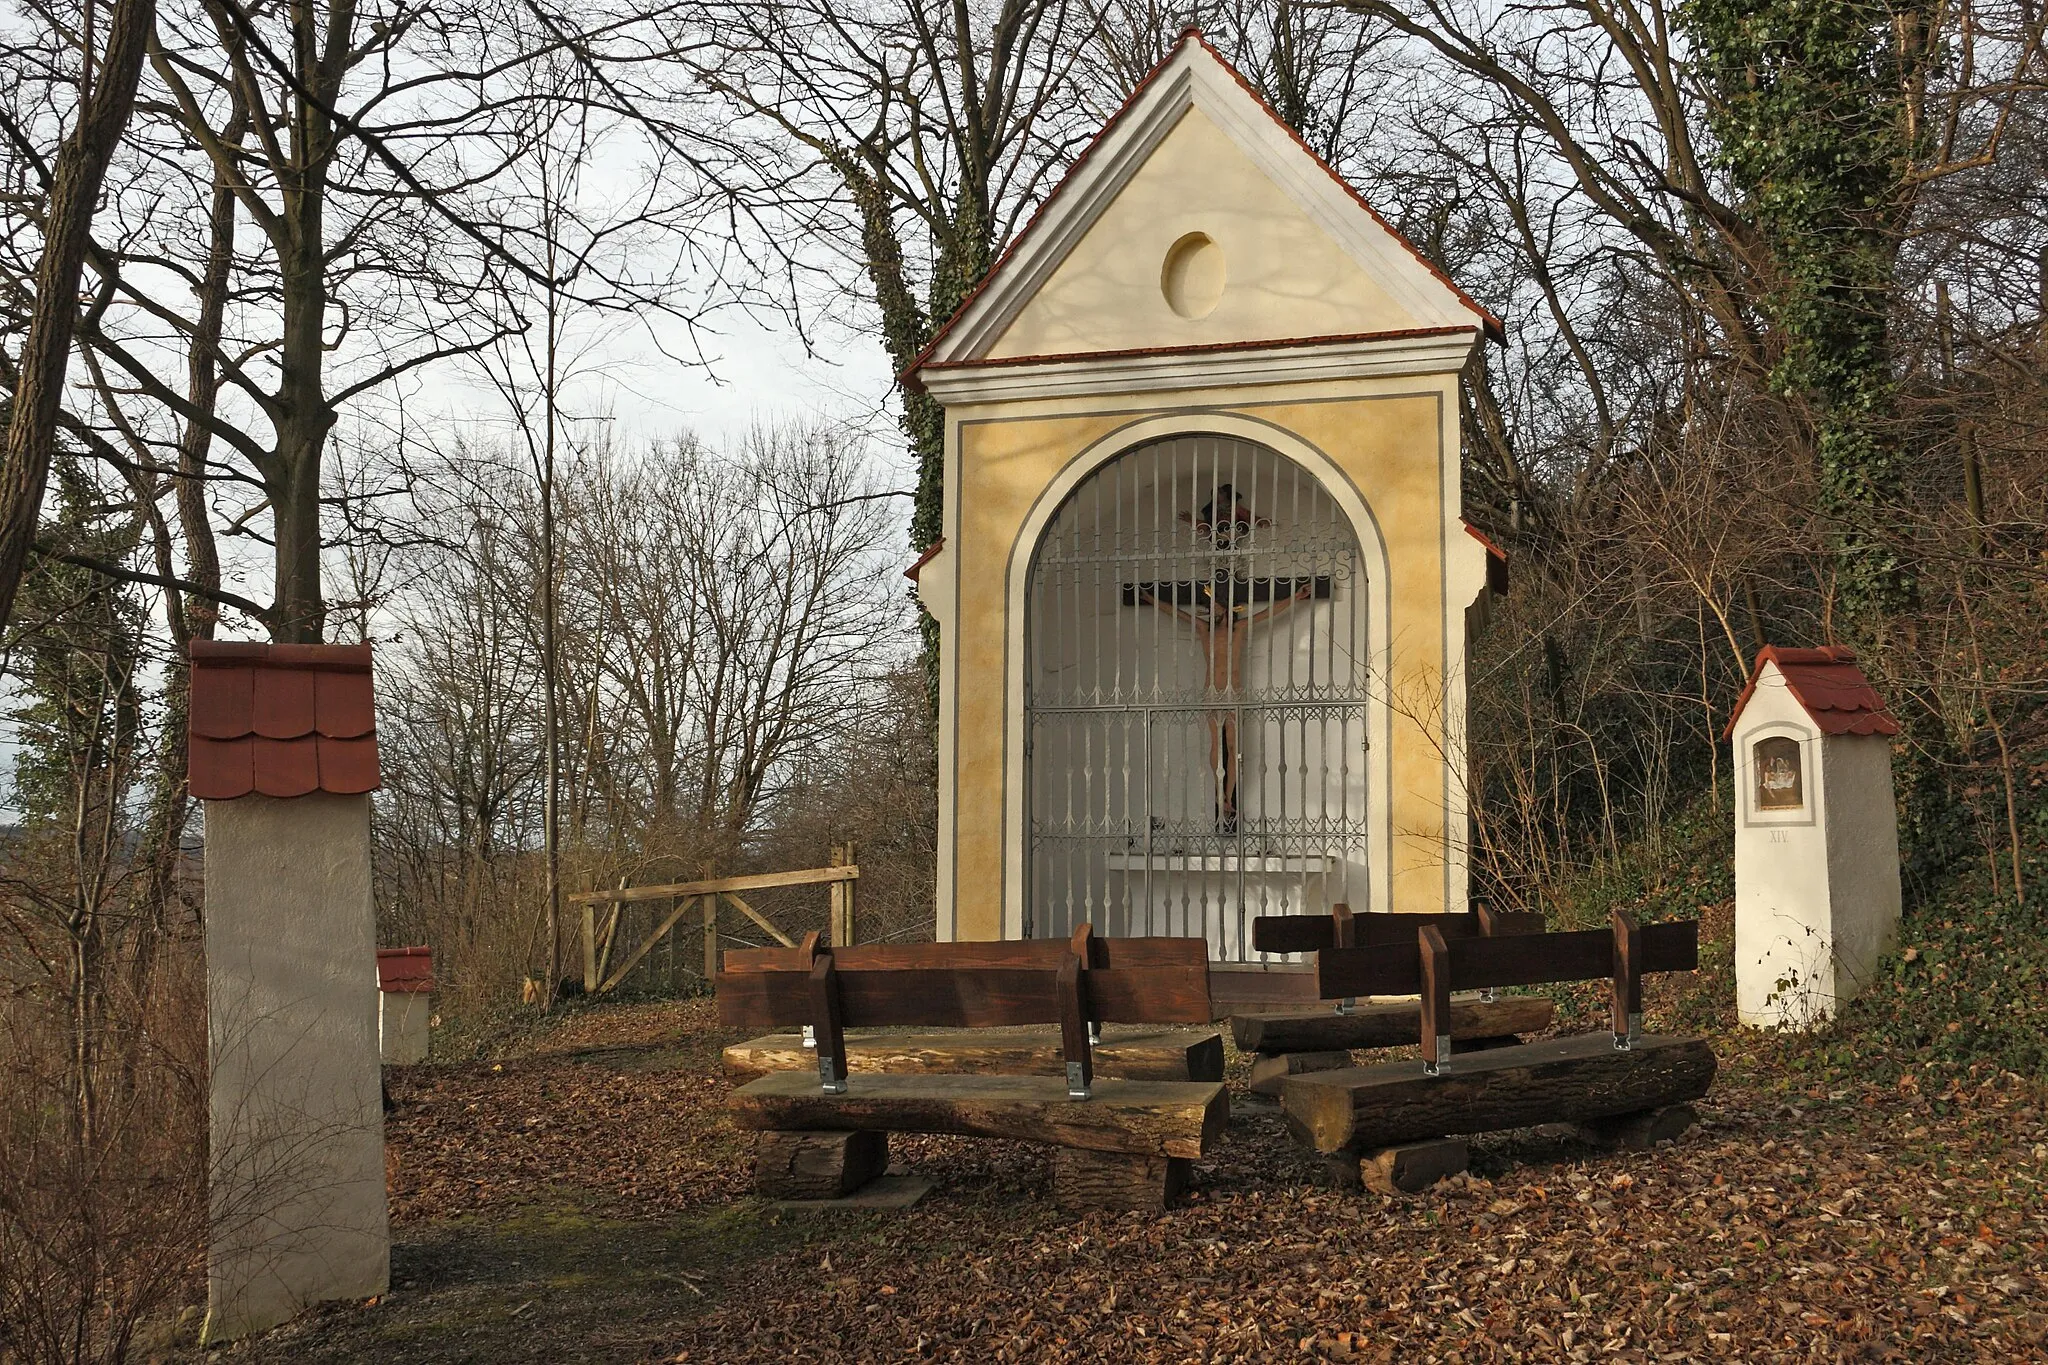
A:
{"x": 1196, "y": 699}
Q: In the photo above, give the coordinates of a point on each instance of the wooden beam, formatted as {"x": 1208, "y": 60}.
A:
{"x": 589, "y": 949}
{"x": 710, "y": 938}
{"x": 1394, "y": 1024}
{"x": 756, "y": 881}
{"x": 633, "y": 959}
{"x": 1157, "y": 1118}
{"x": 964, "y": 997}
{"x": 1563, "y": 1080}
{"x": 1133, "y": 1053}
{"x": 611, "y": 934}
{"x": 839, "y": 932}
{"x": 1628, "y": 978}
{"x": 1313, "y": 933}
{"x": 1515, "y": 960}
{"x": 755, "y": 915}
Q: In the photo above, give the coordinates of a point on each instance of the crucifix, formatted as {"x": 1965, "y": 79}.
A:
{"x": 1222, "y": 609}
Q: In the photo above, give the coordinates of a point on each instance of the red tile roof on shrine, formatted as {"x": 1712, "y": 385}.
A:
{"x": 1830, "y": 687}
{"x": 280, "y": 720}
{"x": 405, "y": 970}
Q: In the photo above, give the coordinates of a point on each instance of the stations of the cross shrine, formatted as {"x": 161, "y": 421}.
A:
{"x": 1204, "y": 589}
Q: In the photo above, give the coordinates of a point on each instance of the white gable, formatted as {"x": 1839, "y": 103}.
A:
{"x": 1198, "y": 220}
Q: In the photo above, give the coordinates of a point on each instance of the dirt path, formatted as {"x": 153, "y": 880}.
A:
{"x": 591, "y": 1204}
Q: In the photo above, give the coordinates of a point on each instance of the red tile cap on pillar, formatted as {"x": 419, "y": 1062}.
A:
{"x": 1828, "y": 685}
{"x": 405, "y": 970}
{"x": 280, "y": 720}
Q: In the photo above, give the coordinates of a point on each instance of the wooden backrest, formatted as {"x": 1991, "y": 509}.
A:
{"x": 1313, "y": 933}
{"x": 1074, "y": 984}
{"x": 973, "y": 985}
{"x": 1435, "y": 965}
{"x": 1513, "y": 960}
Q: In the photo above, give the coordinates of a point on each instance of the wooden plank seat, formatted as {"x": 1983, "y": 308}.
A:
{"x": 1122, "y": 1142}
{"x": 1300, "y": 1040}
{"x": 1608, "y": 1075}
{"x": 1131, "y": 1052}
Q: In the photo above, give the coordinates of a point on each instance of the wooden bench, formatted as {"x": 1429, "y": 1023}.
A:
{"x": 1620, "y": 1085}
{"x": 1122, "y": 1143}
{"x": 1293, "y": 1042}
{"x": 1139, "y": 1052}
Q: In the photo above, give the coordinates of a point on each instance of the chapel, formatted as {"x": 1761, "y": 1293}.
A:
{"x": 1204, "y": 586}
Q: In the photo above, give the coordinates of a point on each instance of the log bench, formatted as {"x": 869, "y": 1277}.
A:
{"x": 1299, "y": 1041}
{"x": 1621, "y": 1081}
{"x": 1120, "y": 1143}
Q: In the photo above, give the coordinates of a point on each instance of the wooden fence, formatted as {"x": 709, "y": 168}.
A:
{"x": 600, "y": 977}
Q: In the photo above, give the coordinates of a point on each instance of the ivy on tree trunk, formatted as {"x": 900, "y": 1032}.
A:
{"x": 1808, "y": 108}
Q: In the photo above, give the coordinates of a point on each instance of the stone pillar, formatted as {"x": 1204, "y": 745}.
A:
{"x": 283, "y": 754}
{"x": 1817, "y": 895}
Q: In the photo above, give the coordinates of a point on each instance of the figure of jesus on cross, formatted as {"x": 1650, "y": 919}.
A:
{"x": 1222, "y": 609}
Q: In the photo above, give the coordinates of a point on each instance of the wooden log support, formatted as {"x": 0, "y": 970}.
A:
{"x": 1394, "y": 1024}
{"x": 1628, "y": 980}
{"x": 828, "y": 1029}
{"x": 1269, "y": 1069}
{"x": 817, "y": 1165}
{"x": 1085, "y": 1181}
{"x": 1566, "y": 1080}
{"x": 1128, "y": 1051}
{"x": 1156, "y": 1118}
{"x": 1639, "y": 1132}
{"x": 1411, "y": 1167}
{"x": 1436, "y": 1000}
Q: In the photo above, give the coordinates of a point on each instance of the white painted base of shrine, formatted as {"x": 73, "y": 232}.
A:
{"x": 403, "y": 1026}
{"x": 296, "y": 1180}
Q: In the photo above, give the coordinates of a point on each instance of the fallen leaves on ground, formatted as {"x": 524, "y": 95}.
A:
{"x": 1796, "y": 1223}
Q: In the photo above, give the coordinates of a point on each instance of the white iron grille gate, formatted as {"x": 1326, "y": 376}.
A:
{"x": 1196, "y": 698}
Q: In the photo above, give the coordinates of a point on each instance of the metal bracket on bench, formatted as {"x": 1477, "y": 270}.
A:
{"x": 810, "y": 1036}
{"x": 1443, "y": 1056}
{"x": 833, "y": 1085}
{"x": 1094, "y": 1033}
{"x": 1490, "y": 996}
{"x": 1344, "y": 1006}
{"x": 1624, "y": 1042}
{"x": 1077, "y": 1089}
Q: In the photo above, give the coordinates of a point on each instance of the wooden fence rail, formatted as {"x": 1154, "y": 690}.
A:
{"x": 598, "y": 941}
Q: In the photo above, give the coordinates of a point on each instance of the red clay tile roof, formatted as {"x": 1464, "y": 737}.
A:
{"x": 1827, "y": 683}
{"x": 280, "y": 720}
{"x": 406, "y": 970}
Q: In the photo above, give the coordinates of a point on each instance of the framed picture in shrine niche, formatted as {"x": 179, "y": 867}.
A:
{"x": 1779, "y": 763}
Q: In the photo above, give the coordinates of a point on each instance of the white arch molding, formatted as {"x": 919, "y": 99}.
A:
{"x": 1373, "y": 554}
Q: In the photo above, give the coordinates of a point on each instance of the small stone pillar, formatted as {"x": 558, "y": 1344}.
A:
{"x": 1816, "y": 836}
{"x": 283, "y": 751}
{"x": 405, "y": 984}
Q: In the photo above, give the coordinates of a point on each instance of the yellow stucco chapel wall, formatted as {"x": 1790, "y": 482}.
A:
{"x": 1389, "y": 438}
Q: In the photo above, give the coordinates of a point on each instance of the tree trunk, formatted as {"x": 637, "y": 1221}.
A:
{"x": 81, "y": 167}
